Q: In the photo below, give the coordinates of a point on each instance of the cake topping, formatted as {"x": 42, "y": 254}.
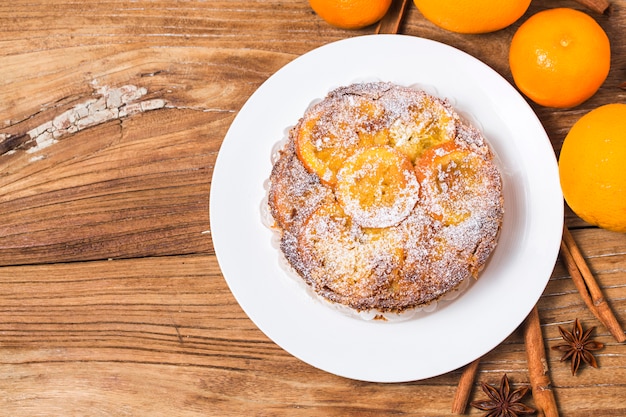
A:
{"x": 385, "y": 198}
{"x": 377, "y": 187}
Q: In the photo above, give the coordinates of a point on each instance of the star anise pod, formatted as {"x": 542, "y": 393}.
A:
{"x": 502, "y": 402}
{"x": 578, "y": 346}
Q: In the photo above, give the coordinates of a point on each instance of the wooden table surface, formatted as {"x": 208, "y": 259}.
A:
{"x": 111, "y": 298}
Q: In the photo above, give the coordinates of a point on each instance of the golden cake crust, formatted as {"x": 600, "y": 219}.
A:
{"x": 385, "y": 198}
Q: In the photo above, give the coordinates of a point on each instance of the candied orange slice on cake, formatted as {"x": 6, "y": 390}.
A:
{"x": 456, "y": 182}
{"x": 333, "y": 130}
{"x": 295, "y": 192}
{"x": 377, "y": 187}
{"x": 345, "y": 262}
{"x": 426, "y": 123}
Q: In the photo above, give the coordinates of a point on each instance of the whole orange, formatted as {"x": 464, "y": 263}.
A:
{"x": 472, "y": 16}
{"x": 592, "y": 167}
{"x": 350, "y": 14}
{"x": 559, "y": 57}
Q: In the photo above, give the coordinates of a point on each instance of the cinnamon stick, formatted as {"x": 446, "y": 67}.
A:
{"x": 588, "y": 287}
{"x": 577, "y": 278}
{"x": 464, "y": 389}
{"x": 390, "y": 23}
{"x": 598, "y": 6}
{"x": 538, "y": 366}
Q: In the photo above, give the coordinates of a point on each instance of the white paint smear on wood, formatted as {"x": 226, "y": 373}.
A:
{"x": 112, "y": 103}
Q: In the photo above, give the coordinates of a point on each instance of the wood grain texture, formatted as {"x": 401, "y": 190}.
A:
{"x": 111, "y": 298}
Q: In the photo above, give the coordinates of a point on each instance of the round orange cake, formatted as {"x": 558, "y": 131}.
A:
{"x": 385, "y": 198}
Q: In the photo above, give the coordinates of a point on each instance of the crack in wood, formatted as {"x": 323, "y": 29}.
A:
{"x": 112, "y": 103}
{"x": 8, "y": 143}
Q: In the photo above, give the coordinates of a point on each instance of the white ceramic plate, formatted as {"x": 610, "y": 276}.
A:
{"x": 456, "y": 333}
